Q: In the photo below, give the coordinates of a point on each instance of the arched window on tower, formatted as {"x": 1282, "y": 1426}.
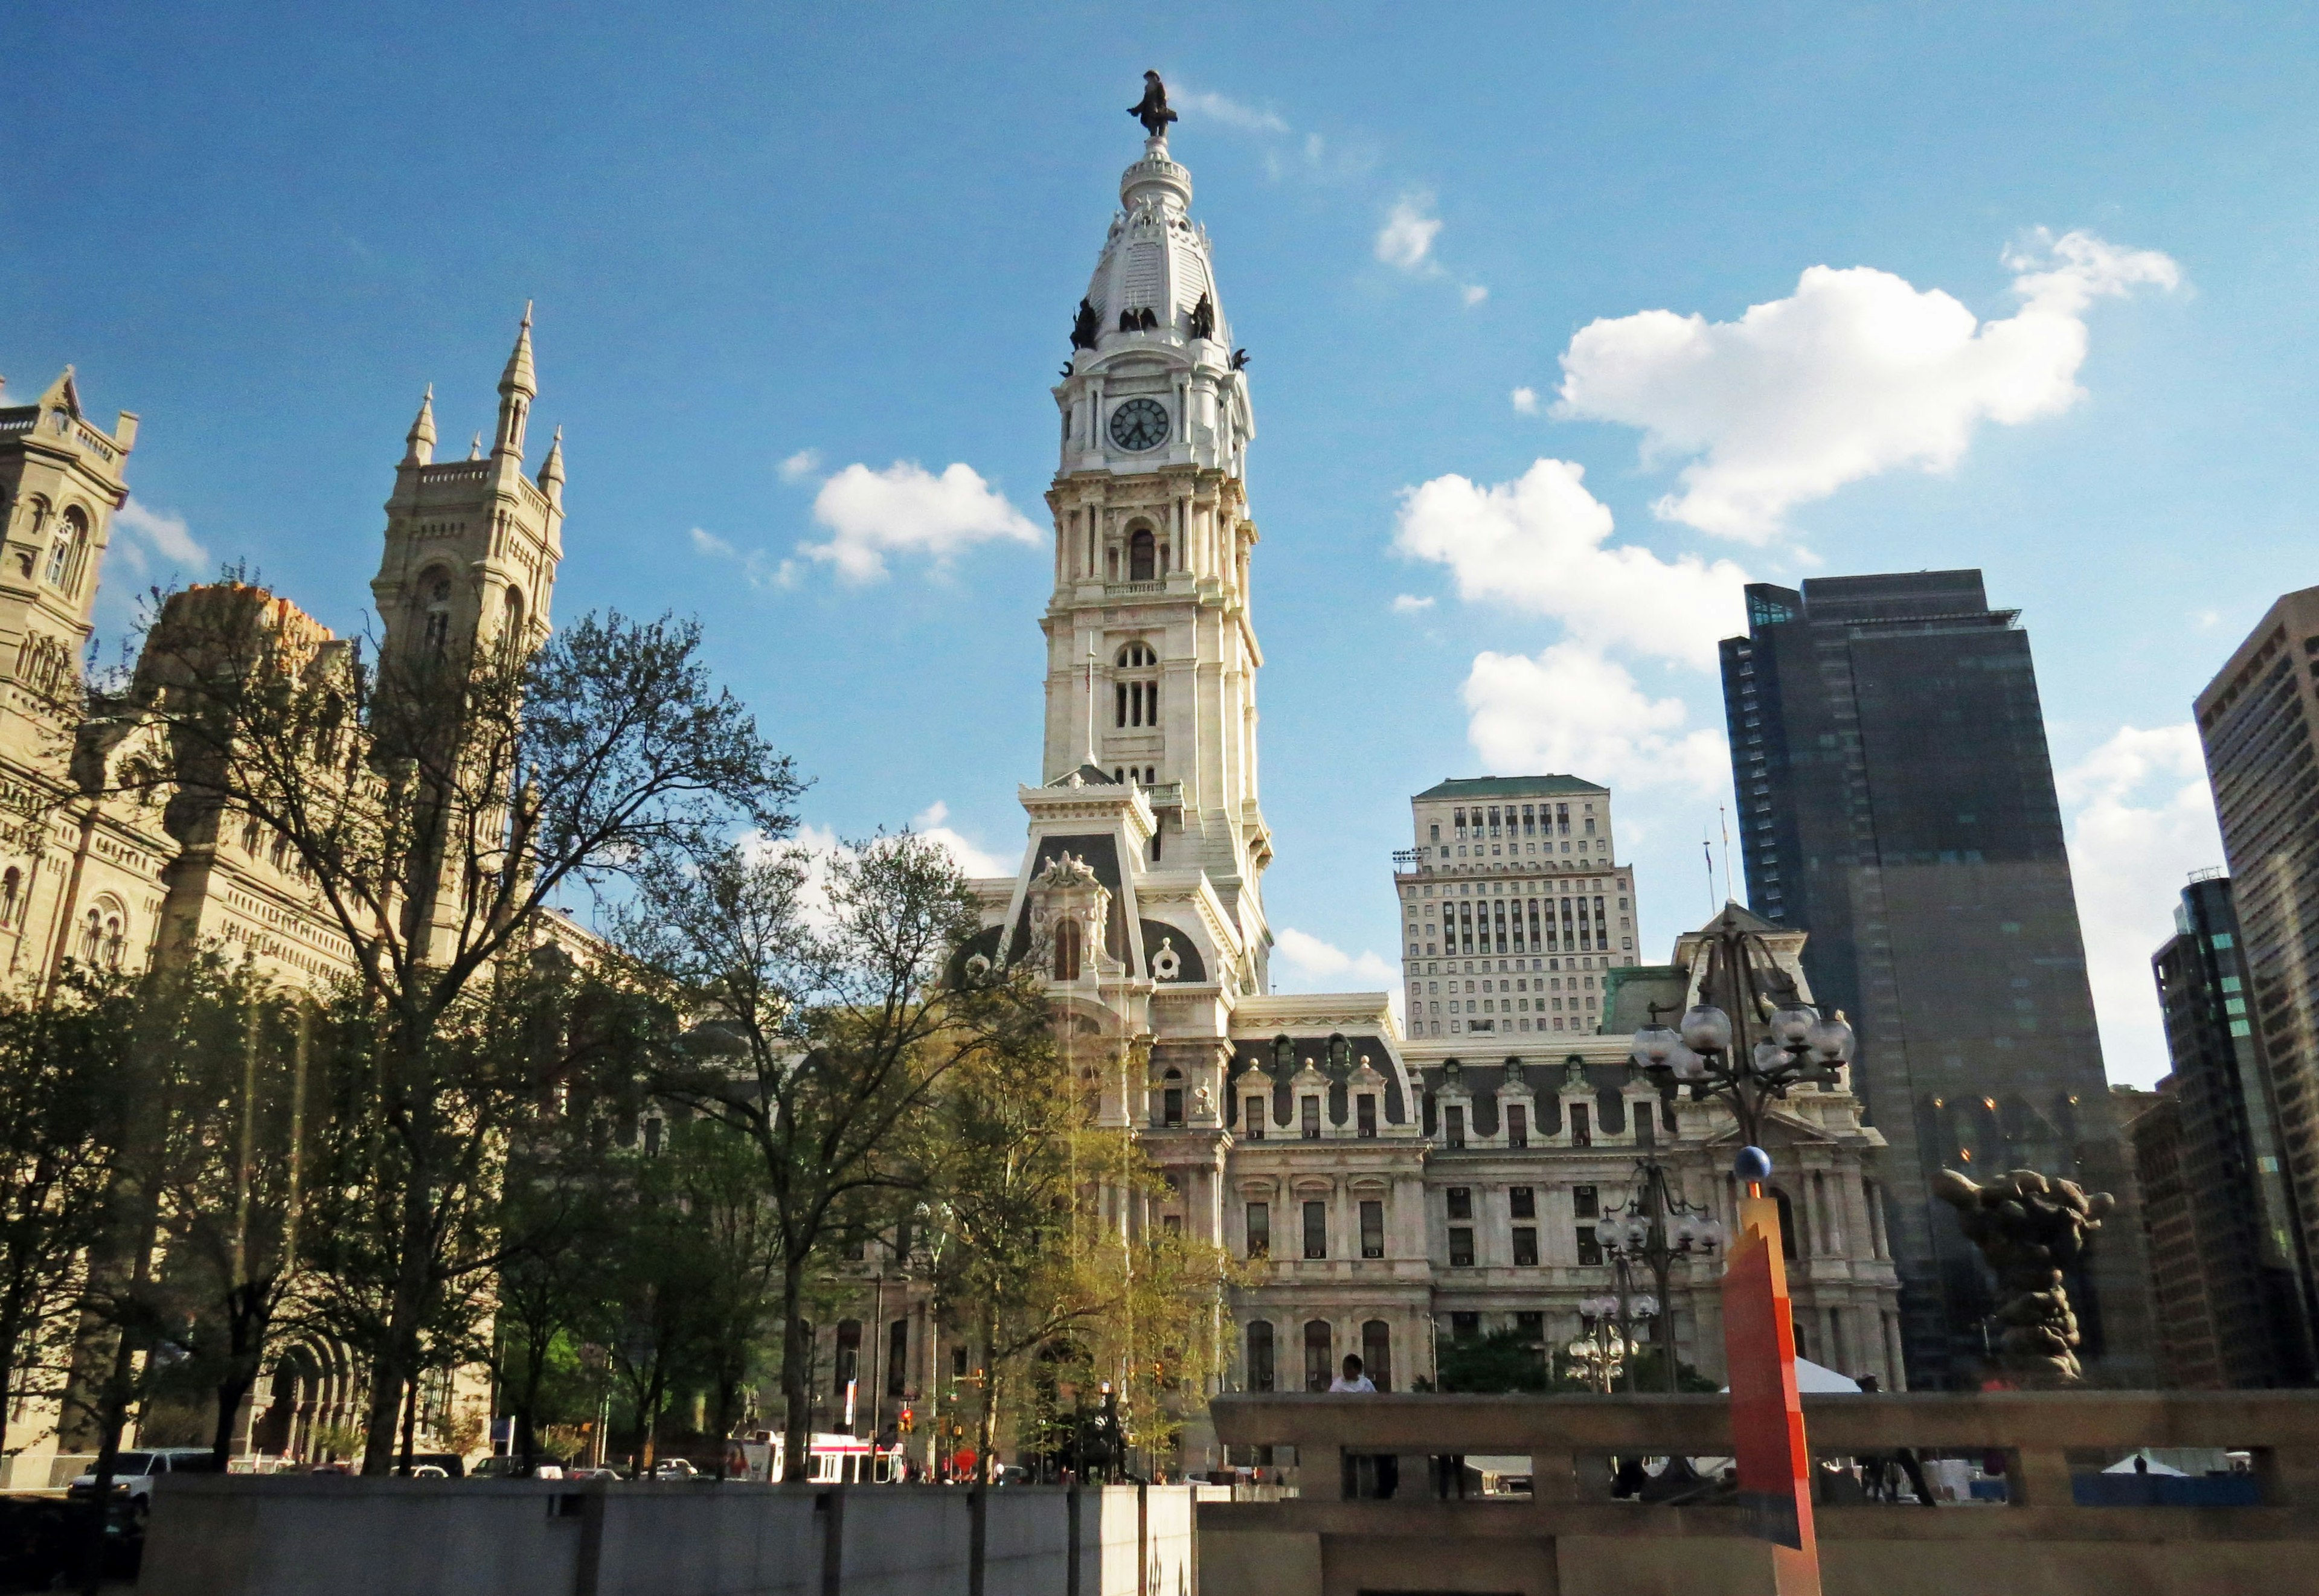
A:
{"x": 11, "y": 890}
{"x": 435, "y": 599}
{"x": 512, "y": 621}
{"x": 1135, "y": 693}
{"x": 92, "y": 937}
{"x": 1141, "y": 552}
{"x": 64, "y": 550}
{"x": 1067, "y": 949}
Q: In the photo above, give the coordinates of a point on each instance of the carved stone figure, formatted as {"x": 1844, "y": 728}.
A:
{"x": 1064, "y": 871}
{"x": 1203, "y": 322}
{"x": 1240, "y": 360}
{"x": 1151, "y": 110}
{"x": 2030, "y": 1227}
{"x": 1085, "y": 325}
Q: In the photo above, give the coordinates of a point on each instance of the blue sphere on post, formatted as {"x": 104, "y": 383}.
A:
{"x": 1751, "y": 1164}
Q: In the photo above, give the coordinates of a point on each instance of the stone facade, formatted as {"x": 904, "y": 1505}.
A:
{"x": 91, "y": 875}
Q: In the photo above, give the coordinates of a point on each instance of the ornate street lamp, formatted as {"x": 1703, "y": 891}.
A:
{"x": 1750, "y": 1037}
{"x": 1607, "y": 1334}
{"x": 1655, "y": 1228}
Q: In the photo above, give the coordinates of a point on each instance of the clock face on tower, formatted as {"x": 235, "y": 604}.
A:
{"x": 1139, "y": 424}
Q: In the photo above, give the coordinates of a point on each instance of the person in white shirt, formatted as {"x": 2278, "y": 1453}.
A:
{"x": 1352, "y": 1379}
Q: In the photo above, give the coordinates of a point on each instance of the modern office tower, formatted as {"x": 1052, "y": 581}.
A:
{"x": 2259, "y": 719}
{"x": 1511, "y": 876}
{"x": 1896, "y": 800}
{"x": 2181, "y": 1310}
{"x": 2246, "y": 1249}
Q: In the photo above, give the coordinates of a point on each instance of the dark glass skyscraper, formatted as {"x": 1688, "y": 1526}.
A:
{"x": 2248, "y": 1245}
{"x": 1896, "y": 800}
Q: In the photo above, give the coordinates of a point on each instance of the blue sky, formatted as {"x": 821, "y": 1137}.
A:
{"x": 1517, "y": 443}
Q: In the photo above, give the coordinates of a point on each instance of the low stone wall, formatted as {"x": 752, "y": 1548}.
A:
{"x": 312, "y": 1534}
{"x": 1570, "y": 1540}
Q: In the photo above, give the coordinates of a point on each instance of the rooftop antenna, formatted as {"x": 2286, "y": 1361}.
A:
{"x": 1723, "y": 818}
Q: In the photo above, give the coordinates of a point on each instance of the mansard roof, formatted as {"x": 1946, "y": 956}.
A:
{"x": 1505, "y": 787}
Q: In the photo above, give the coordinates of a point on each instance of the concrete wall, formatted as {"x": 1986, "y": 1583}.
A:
{"x": 306, "y": 1535}
{"x": 1516, "y": 1548}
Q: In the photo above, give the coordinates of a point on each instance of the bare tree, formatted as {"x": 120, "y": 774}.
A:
{"x": 437, "y": 801}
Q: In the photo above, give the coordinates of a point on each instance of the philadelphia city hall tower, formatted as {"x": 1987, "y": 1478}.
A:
{"x": 1403, "y": 1191}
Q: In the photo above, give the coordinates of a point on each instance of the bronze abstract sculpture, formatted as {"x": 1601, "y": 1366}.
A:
{"x": 2030, "y": 1227}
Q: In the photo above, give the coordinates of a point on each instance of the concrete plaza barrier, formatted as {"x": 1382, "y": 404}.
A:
{"x": 312, "y": 1535}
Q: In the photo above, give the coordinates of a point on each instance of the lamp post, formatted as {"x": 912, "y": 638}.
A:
{"x": 1750, "y": 1037}
{"x": 1606, "y": 1335}
{"x": 1655, "y": 1228}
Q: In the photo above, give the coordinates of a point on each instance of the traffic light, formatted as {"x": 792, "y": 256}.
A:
{"x": 906, "y": 1422}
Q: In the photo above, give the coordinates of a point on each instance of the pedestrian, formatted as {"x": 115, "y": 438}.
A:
{"x": 1388, "y": 1466}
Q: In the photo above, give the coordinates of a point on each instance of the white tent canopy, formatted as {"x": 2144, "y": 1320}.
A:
{"x": 1811, "y": 1376}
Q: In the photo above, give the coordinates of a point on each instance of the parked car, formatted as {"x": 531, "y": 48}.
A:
{"x": 446, "y": 1465}
{"x": 593, "y": 1473}
{"x": 134, "y": 1472}
{"x": 675, "y": 1468}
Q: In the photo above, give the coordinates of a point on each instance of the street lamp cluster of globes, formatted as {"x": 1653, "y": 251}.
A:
{"x": 1799, "y": 1041}
{"x": 1793, "y": 1043}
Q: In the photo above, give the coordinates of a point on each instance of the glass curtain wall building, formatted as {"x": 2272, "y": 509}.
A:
{"x": 2259, "y": 719}
{"x": 1895, "y": 801}
{"x": 2248, "y": 1245}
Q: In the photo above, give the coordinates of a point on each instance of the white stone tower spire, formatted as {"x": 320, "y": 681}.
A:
{"x": 1152, "y": 542}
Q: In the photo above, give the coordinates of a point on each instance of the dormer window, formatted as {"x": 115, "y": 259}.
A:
{"x": 1066, "y": 951}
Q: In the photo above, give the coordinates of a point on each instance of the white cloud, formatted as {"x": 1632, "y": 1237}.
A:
{"x": 1474, "y": 293}
{"x": 1526, "y": 401}
{"x": 906, "y": 510}
{"x": 1855, "y": 373}
{"x": 1317, "y": 966}
{"x": 1409, "y": 603}
{"x": 928, "y": 823}
{"x": 800, "y": 466}
{"x": 757, "y": 568}
{"x": 1232, "y": 113}
{"x": 1538, "y": 544}
{"x": 1570, "y": 710}
{"x": 164, "y": 532}
{"x": 2143, "y": 819}
{"x": 1406, "y": 240}
{"x": 819, "y": 845}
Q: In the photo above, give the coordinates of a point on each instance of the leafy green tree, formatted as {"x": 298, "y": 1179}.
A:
{"x": 828, "y": 1015}
{"x": 438, "y": 801}
{"x": 61, "y": 1122}
{"x": 1504, "y": 1360}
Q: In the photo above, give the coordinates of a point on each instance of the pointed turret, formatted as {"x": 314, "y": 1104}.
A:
{"x": 475, "y": 449}
{"x": 419, "y": 445}
{"x": 551, "y": 471}
{"x": 517, "y": 388}
{"x": 63, "y": 394}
